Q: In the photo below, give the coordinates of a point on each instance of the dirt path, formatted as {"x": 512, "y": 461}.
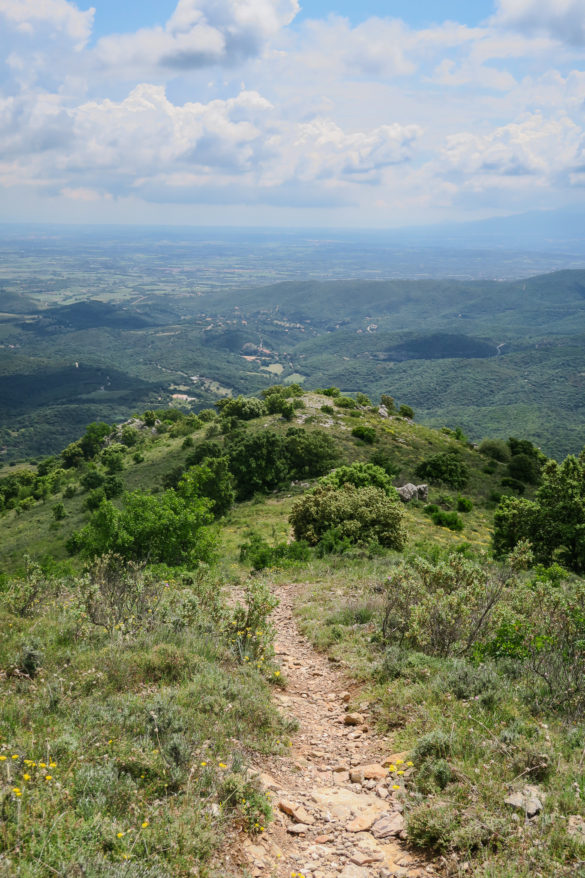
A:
{"x": 337, "y": 810}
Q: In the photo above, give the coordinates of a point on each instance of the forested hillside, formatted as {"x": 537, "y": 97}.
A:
{"x": 489, "y": 357}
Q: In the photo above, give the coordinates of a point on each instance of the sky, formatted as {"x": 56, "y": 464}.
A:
{"x": 327, "y": 113}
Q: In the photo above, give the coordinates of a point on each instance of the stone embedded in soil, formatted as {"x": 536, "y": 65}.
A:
{"x": 394, "y": 758}
{"x": 361, "y": 859}
{"x": 297, "y": 812}
{"x": 364, "y": 821}
{"x": 353, "y": 719}
{"x": 388, "y": 825}
{"x": 297, "y": 829}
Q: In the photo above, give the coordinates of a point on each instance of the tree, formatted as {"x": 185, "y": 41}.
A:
{"x": 554, "y": 522}
{"x": 162, "y": 528}
{"x": 212, "y": 479}
{"x": 446, "y": 467}
{"x": 93, "y": 439}
{"x": 259, "y": 462}
{"x": 310, "y": 452}
{"x": 244, "y": 408}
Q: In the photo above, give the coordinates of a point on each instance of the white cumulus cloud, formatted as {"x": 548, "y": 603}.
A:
{"x": 29, "y": 16}
{"x": 562, "y": 19}
{"x": 200, "y": 32}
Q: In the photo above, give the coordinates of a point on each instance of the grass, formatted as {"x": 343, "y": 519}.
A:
{"x": 474, "y": 734}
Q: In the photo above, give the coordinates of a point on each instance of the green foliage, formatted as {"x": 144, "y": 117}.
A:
{"x": 446, "y": 467}
{"x": 345, "y": 402}
{"x": 242, "y": 407}
{"x": 365, "y": 433}
{"x": 59, "y": 512}
{"x": 119, "y": 595}
{"x": 388, "y": 401}
{"x": 162, "y": 528}
{"x": 362, "y": 515}
{"x": 361, "y": 475}
{"x": 92, "y": 479}
{"x": 441, "y": 608}
{"x": 207, "y": 448}
{"x": 464, "y": 504}
{"x": 251, "y": 631}
{"x": 405, "y": 411}
{"x": 495, "y": 449}
{"x": 447, "y": 519}
{"x": 310, "y": 453}
{"x": 92, "y": 442}
{"x": 514, "y": 484}
{"x": 554, "y": 522}
{"x": 362, "y": 399}
{"x": 257, "y": 552}
{"x": 211, "y": 479}
{"x": 258, "y": 462}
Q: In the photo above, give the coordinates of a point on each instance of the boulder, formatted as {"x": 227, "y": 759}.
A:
{"x": 410, "y": 492}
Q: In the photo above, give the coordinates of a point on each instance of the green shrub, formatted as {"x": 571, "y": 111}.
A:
{"x": 259, "y": 462}
{"x": 464, "y": 504}
{"x": 244, "y": 408}
{"x": 361, "y": 515}
{"x": 388, "y": 401}
{"x": 345, "y": 402}
{"x": 260, "y": 554}
{"x": 362, "y": 399}
{"x": 364, "y": 433}
{"x": 495, "y": 449}
{"x": 447, "y": 519}
{"x": 514, "y": 484}
{"x": 361, "y": 475}
{"x": 328, "y": 409}
{"x": 207, "y": 448}
{"x": 405, "y": 411}
{"x": 119, "y": 595}
{"x": 211, "y": 479}
{"x": 446, "y": 467}
{"x": 432, "y": 826}
{"x": 162, "y": 528}
{"x": 442, "y": 608}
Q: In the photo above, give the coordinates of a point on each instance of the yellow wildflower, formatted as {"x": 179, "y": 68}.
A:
{"x": 395, "y": 786}
{"x": 15, "y": 756}
{"x": 48, "y": 777}
{"x": 26, "y": 776}
{"x": 2, "y": 758}
{"x": 222, "y": 765}
{"x": 120, "y": 834}
{"x": 145, "y": 824}
{"x": 16, "y": 791}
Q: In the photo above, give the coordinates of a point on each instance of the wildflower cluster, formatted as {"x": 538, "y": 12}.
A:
{"x": 21, "y": 773}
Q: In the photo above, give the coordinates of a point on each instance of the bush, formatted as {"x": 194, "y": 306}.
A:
{"x": 446, "y": 467}
{"x": 364, "y": 433}
{"x": 260, "y": 554}
{"x": 443, "y": 608}
{"x": 553, "y": 521}
{"x": 163, "y": 528}
{"x": 244, "y": 408}
{"x": 361, "y": 475}
{"x": 514, "y": 484}
{"x": 345, "y": 402}
{"x": 495, "y": 449}
{"x": 464, "y": 504}
{"x": 405, "y": 411}
{"x": 382, "y": 458}
{"x": 362, "y": 399}
{"x": 328, "y": 409}
{"x": 388, "y": 401}
{"x": 432, "y": 826}
{"x": 118, "y": 595}
{"x": 362, "y": 515}
{"x": 207, "y": 448}
{"x": 447, "y": 519}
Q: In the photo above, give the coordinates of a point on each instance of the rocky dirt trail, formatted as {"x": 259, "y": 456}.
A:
{"x": 337, "y": 799}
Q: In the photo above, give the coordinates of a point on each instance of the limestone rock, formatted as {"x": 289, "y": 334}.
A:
{"x": 388, "y": 825}
{"x": 353, "y": 719}
{"x": 365, "y": 820}
{"x": 527, "y": 800}
{"x": 297, "y": 829}
{"x": 297, "y": 812}
{"x": 410, "y": 492}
